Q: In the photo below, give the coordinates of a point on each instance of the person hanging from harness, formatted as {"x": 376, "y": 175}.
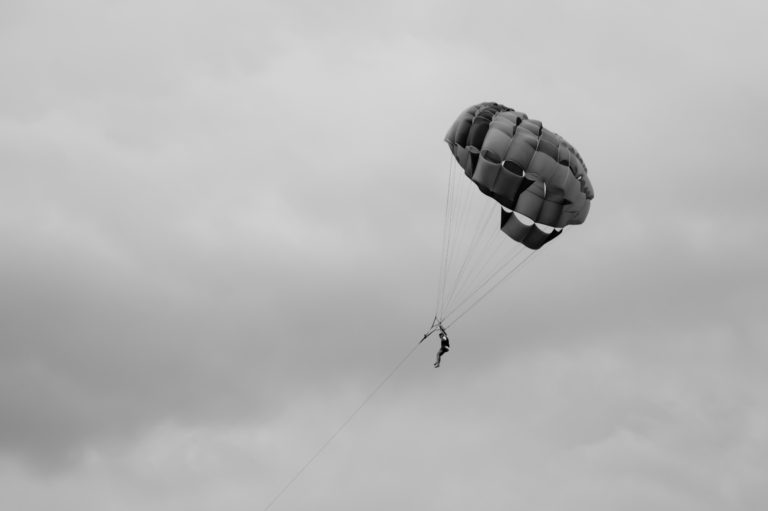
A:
{"x": 445, "y": 345}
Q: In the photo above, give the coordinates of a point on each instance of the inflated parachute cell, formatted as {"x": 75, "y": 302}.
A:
{"x": 526, "y": 168}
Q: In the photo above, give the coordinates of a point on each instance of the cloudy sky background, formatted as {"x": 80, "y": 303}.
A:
{"x": 220, "y": 226}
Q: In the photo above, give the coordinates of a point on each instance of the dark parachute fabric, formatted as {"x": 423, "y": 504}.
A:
{"x": 524, "y": 167}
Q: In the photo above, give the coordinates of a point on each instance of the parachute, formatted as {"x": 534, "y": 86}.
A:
{"x": 536, "y": 179}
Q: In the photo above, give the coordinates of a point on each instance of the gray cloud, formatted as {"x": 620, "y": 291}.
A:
{"x": 216, "y": 218}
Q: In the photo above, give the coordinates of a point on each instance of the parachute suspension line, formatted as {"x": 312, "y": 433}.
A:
{"x": 468, "y": 204}
{"x": 444, "y": 238}
{"x": 467, "y": 265}
{"x": 476, "y": 256}
{"x": 470, "y": 276}
{"x": 499, "y": 252}
{"x": 486, "y": 234}
{"x": 504, "y": 252}
{"x": 348, "y": 420}
{"x": 448, "y": 227}
{"x": 461, "y": 202}
{"x": 456, "y": 228}
{"x": 487, "y": 292}
{"x": 475, "y": 246}
{"x": 450, "y": 206}
{"x": 490, "y": 279}
{"x": 491, "y": 265}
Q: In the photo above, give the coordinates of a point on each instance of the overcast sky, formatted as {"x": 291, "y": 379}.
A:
{"x": 220, "y": 227}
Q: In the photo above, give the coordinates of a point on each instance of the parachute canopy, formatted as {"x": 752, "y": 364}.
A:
{"x": 538, "y": 178}
{"x": 533, "y": 177}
